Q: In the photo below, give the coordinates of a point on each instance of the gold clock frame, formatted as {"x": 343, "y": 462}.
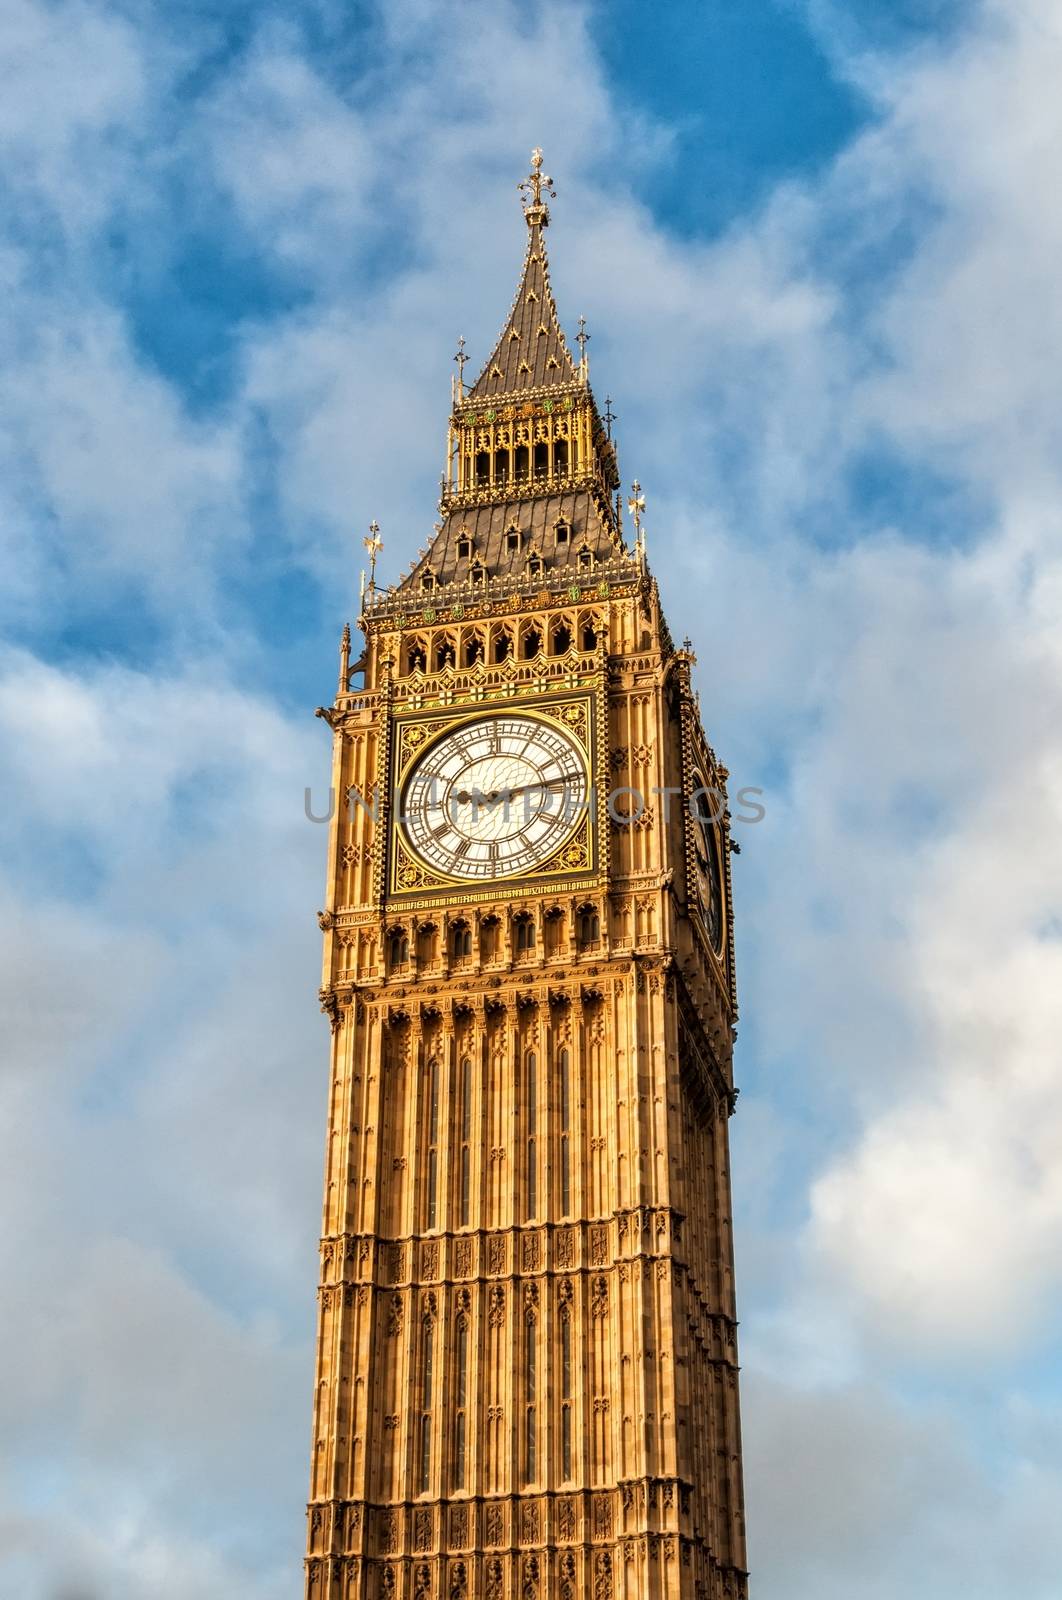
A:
{"x": 414, "y": 735}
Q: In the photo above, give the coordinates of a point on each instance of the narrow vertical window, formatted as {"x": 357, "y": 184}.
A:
{"x": 460, "y": 1401}
{"x": 566, "y": 1393}
{"x": 566, "y": 1358}
{"x": 564, "y": 1066}
{"x": 466, "y": 1134}
{"x": 530, "y": 1377}
{"x": 532, "y": 1120}
{"x": 425, "y": 1407}
{"x": 432, "y": 1190}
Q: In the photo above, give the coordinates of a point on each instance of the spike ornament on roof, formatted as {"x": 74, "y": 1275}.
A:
{"x": 535, "y": 208}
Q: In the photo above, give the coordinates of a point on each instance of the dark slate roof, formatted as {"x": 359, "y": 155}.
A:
{"x": 538, "y": 354}
{"x": 488, "y": 527}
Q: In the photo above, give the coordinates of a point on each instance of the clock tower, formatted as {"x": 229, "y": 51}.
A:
{"x": 526, "y": 1364}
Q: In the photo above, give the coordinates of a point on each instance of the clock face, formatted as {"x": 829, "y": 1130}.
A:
{"x": 495, "y": 798}
{"x": 708, "y": 875}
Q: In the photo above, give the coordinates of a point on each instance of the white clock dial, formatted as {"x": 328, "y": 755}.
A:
{"x": 495, "y": 797}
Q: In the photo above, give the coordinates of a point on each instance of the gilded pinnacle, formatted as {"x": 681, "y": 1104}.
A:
{"x": 535, "y": 208}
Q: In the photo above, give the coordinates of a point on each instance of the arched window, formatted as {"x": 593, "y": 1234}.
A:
{"x": 560, "y": 457}
{"x": 465, "y": 1153}
{"x": 399, "y": 948}
{"x": 431, "y": 1117}
{"x": 531, "y": 1126}
{"x": 562, "y": 639}
{"x": 503, "y": 646}
{"x": 426, "y": 1378}
{"x": 460, "y": 1399}
{"x": 521, "y": 462}
{"x": 541, "y": 459}
{"x": 482, "y": 469}
{"x": 473, "y": 650}
{"x": 445, "y": 654}
{"x": 566, "y": 1393}
{"x": 525, "y": 933}
{"x": 488, "y": 938}
{"x": 462, "y": 940}
{"x": 417, "y": 660}
{"x": 589, "y": 637}
{"x": 532, "y": 644}
{"x": 589, "y": 927}
{"x": 530, "y": 1399}
{"x": 564, "y": 1074}
{"x": 501, "y": 466}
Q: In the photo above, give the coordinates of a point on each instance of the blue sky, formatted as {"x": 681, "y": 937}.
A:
{"x": 816, "y": 243}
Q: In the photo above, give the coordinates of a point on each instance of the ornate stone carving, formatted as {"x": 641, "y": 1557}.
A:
{"x": 529, "y": 1584}
{"x": 603, "y": 1575}
{"x": 395, "y": 1314}
{"x": 602, "y": 1516}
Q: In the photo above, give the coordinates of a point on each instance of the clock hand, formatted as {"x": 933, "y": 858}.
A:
{"x": 464, "y": 798}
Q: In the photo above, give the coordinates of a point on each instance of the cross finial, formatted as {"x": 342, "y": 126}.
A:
{"x": 636, "y": 506}
{"x": 531, "y": 187}
{"x": 610, "y": 415}
{"x": 373, "y": 544}
{"x": 461, "y": 358}
{"x": 581, "y": 339}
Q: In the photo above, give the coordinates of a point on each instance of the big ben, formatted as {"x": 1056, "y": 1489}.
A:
{"x": 526, "y": 1361}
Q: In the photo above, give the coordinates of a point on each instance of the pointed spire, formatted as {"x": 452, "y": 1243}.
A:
{"x": 531, "y": 352}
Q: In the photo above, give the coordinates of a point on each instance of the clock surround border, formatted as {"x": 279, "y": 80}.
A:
{"x": 440, "y": 889}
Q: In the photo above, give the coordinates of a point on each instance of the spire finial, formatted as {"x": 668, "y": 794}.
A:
{"x": 373, "y": 544}
{"x": 636, "y": 505}
{"x": 582, "y": 339}
{"x": 461, "y": 358}
{"x": 610, "y": 415}
{"x": 535, "y": 208}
